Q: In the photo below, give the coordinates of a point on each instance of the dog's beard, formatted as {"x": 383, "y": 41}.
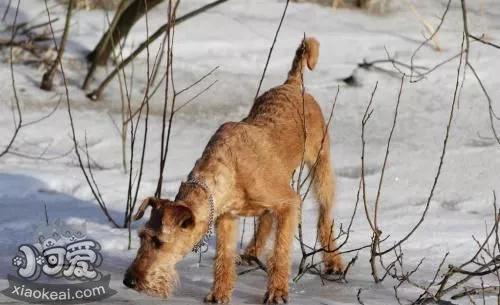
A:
{"x": 160, "y": 281}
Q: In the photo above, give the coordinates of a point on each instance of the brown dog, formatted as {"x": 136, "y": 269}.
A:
{"x": 245, "y": 170}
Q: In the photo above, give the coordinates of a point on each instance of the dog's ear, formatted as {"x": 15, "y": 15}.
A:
{"x": 180, "y": 215}
{"x": 150, "y": 201}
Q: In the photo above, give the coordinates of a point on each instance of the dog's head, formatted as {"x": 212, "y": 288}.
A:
{"x": 166, "y": 238}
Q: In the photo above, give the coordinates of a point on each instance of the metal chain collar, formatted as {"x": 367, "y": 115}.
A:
{"x": 211, "y": 201}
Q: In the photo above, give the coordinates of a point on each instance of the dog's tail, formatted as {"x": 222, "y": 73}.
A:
{"x": 307, "y": 53}
{"x": 324, "y": 188}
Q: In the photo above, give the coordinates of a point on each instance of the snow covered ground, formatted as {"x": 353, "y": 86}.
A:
{"x": 236, "y": 36}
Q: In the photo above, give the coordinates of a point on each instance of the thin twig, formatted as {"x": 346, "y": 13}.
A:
{"x": 19, "y": 123}
{"x": 480, "y": 39}
{"x": 271, "y": 49}
{"x": 94, "y": 188}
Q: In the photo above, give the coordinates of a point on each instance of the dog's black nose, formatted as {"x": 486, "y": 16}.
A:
{"x": 129, "y": 281}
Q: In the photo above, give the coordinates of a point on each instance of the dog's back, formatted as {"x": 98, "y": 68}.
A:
{"x": 287, "y": 113}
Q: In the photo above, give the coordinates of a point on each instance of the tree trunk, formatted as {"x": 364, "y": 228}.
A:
{"x": 104, "y": 40}
{"x": 126, "y": 20}
{"x": 48, "y": 77}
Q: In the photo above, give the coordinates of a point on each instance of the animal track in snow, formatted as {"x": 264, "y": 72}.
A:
{"x": 479, "y": 143}
{"x": 354, "y": 172}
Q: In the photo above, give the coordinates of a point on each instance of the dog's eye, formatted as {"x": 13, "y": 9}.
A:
{"x": 156, "y": 241}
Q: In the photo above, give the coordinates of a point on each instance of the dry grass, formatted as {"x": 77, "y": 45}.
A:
{"x": 93, "y": 4}
{"x": 372, "y": 6}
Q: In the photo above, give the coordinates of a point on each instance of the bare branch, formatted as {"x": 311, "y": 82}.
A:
{"x": 94, "y": 95}
{"x": 481, "y": 40}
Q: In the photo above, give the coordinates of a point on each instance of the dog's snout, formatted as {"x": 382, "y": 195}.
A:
{"x": 129, "y": 280}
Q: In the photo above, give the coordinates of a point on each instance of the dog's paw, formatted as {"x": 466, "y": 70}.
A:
{"x": 334, "y": 265}
{"x": 217, "y": 297}
{"x": 276, "y": 296}
{"x": 245, "y": 259}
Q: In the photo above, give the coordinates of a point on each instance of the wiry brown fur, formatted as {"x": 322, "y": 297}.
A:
{"x": 248, "y": 167}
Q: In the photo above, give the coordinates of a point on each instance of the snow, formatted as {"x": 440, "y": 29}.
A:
{"x": 236, "y": 36}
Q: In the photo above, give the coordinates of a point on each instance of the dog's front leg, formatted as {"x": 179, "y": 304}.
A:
{"x": 225, "y": 261}
{"x": 279, "y": 262}
{"x": 258, "y": 243}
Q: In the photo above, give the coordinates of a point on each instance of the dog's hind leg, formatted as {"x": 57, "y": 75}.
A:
{"x": 324, "y": 188}
{"x": 264, "y": 227}
{"x": 224, "y": 268}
